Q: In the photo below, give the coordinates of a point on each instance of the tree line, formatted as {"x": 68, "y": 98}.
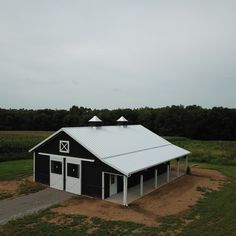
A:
{"x": 217, "y": 123}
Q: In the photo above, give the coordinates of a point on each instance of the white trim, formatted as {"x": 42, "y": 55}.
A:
{"x": 130, "y": 173}
{"x": 141, "y": 185}
{"x": 62, "y": 145}
{"x": 156, "y": 171}
{"x": 125, "y": 190}
{"x": 34, "y": 167}
{"x": 69, "y": 157}
{"x": 45, "y": 140}
{"x": 103, "y": 190}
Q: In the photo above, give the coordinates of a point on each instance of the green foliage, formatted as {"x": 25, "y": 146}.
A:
{"x": 194, "y": 121}
{"x": 15, "y": 170}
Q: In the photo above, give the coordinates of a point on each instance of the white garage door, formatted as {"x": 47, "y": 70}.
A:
{"x": 56, "y": 172}
{"x": 73, "y": 176}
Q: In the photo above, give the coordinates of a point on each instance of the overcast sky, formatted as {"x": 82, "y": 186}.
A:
{"x": 115, "y": 54}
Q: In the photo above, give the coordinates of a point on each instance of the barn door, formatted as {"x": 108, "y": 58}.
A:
{"x": 113, "y": 184}
{"x": 73, "y": 176}
{"x": 56, "y": 172}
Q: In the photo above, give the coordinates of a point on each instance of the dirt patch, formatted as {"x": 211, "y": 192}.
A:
{"x": 172, "y": 199}
{"x": 11, "y": 188}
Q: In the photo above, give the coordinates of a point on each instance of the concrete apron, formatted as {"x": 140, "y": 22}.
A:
{"x": 148, "y": 187}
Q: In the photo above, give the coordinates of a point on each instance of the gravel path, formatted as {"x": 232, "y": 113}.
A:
{"x": 20, "y": 206}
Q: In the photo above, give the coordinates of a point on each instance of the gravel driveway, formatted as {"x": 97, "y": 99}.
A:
{"x": 20, "y": 206}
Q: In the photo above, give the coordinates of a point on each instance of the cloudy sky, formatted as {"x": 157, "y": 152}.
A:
{"x": 111, "y": 54}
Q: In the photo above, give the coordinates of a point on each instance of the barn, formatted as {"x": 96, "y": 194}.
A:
{"x": 105, "y": 161}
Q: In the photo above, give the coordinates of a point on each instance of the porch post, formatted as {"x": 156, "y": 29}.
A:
{"x": 186, "y": 164}
{"x": 141, "y": 185}
{"x": 125, "y": 186}
{"x": 103, "y": 190}
{"x": 168, "y": 173}
{"x": 34, "y": 166}
{"x": 155, "y": 178}
{"x": 178, "y": 167}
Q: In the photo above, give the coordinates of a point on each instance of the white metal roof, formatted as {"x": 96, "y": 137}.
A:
{"x": 136, "y": 161}
{"x": 126, "y": 149}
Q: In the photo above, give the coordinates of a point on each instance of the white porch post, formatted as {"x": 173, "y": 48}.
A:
{"x": 177, "y": 167}
{"x": 186, "y": 164}
{"x": 125, "y": 187}
{"x": 141, "y": 185}
{"x": 103, "y": 190}
{"x": 155, "y": 178}
{"x": 34, "y": 166}
{"x": 168, "y": 173}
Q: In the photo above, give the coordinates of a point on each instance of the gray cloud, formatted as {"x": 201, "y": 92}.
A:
{"x": 117, "y": 53}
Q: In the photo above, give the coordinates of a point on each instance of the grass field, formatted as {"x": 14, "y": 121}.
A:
{"x": 214, "y": 152}
{"x": 15, "y": 170}
{"x": 215, "y": 214}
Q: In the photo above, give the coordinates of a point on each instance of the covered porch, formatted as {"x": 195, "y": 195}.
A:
{"x": 174, "y": 169}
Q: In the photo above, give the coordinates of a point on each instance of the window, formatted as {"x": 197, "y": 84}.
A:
{"x": 73, "y": 170}
{"x": 64, "y": 146}
{"x": 56, "y": 167}
{"x": 112, "y": 179}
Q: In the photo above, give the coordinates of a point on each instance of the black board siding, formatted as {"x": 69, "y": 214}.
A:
{"x": 42, "y": 169}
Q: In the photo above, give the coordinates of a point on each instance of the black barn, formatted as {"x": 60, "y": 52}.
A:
{"x": 101, "y": 161}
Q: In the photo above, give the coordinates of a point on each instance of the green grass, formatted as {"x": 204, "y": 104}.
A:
{"x": 216, "y": 213}
{"x": 15, "y": 170}
{"x": 49, "y": 223}
{"x": 214, "y": 152}
{"x": 15, "y": 144}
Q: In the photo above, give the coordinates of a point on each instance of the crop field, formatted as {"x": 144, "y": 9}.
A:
{"x": 14, "y": 145}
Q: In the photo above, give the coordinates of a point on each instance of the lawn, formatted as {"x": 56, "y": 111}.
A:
{"x": 15, "y": 170}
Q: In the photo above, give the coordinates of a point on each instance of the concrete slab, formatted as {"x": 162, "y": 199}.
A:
{"x": 148, "y": 186}
{"x": 26, "y": 204}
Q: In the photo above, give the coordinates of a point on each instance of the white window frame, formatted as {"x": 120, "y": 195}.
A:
{"x": 63, "y": 142}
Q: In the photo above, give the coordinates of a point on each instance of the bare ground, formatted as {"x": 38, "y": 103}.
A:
{"x": 172, "y": 199}
{"x": 11, "y": 187}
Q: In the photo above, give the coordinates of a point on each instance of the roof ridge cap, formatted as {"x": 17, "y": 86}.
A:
{"x": 141, "y": 150}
